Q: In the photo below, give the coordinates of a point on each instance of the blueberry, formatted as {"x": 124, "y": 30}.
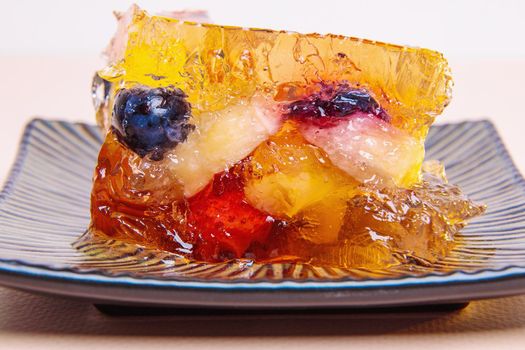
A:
{"x": 342, "y": 102}
{"x": 151, "y": 120}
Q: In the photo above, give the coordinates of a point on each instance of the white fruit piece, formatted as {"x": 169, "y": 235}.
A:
{"x": 222, "y": 139}
{"x": 369, "y": 148}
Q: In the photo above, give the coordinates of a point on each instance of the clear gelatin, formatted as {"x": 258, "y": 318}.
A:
{"x": 232, "y": 143}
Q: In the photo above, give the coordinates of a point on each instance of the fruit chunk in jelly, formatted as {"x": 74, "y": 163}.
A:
{"x": 222, "y": 139}
{"x": 223, "y": 223}
{"x": 369, "y": 148}
{"x": 296, "y": 182}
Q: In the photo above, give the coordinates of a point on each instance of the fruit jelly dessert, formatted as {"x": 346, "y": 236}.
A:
{"x": 227, "y": 143}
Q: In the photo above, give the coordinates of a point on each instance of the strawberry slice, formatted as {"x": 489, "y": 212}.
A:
{"x": 223, "y": 223}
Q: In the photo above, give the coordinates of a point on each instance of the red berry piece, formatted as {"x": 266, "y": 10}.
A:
{"x": 224, "y": 225}
{"x": 329, "y": 105}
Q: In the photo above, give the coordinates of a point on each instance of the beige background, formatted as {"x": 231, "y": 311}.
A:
{"x": 46, "y": 71}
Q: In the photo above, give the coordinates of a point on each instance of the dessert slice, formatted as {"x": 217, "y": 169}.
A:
{"x": 227, "y": 143}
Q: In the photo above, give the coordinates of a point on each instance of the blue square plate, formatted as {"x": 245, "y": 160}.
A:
{"x": 44, "y": 209}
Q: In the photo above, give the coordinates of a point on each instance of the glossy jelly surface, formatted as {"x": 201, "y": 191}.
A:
{"x": 229, "y": 143}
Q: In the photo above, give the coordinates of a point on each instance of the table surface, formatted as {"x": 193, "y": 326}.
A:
{"x": 58, "y": 87}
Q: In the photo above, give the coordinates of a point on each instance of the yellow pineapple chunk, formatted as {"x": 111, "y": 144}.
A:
{"x": 295, "y": 181}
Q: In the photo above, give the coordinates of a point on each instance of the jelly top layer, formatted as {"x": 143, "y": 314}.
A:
{"x": 218, "y": 65}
